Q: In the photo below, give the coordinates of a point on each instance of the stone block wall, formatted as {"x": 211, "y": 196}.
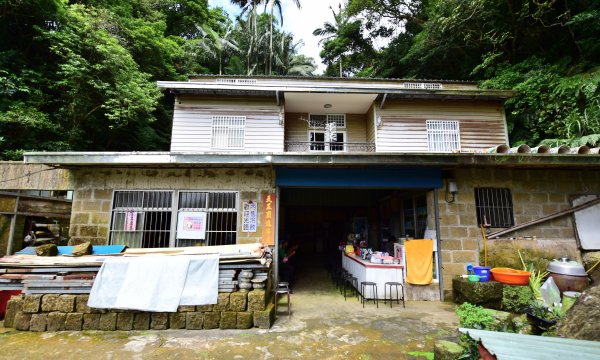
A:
{"x": 54, "y": 312}
{"x": 94, "y": 187}
{"x": 535, "y": 193}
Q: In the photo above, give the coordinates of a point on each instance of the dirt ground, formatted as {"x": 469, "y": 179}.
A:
{"x": 323, "y": 326}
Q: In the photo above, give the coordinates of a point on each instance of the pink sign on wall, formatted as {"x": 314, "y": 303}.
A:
{"x": 130, "y": 221}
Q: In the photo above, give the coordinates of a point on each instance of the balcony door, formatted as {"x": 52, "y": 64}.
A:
{"x": 323, "y": 141}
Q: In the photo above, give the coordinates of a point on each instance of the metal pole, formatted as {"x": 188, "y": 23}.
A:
{"x": 276, "y": 247}
{"x": 13, "y": 224}
{"x": 174, "y": 216}
{"x": 438, "y": 261}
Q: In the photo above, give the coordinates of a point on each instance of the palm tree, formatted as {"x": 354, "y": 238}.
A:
{"x": 250, "y": 6}
{"x": 271, "y": 4}
{"x": 217, "y": 45}
{"x": 330, "y": 31}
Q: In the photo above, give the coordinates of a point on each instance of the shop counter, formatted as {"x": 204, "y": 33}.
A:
{"x": 364, "y": 270}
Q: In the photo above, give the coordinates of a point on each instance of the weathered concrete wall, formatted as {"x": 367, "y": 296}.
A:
{"x": 33, "y": 177}
{"x": 58, "y": 312}
{"x": 535, "y": 193}
{"x": 90, "y": 217}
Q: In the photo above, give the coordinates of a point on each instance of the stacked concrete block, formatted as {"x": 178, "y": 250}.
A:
{"x": 53, "y": 312}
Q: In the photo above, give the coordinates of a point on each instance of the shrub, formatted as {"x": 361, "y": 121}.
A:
{"x": 516, "y": 299}
{"x": 474, "y": 317}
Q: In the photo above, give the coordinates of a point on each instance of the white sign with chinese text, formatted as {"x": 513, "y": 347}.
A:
{"x": 249, "y": 216}
{"x": 191, "y": 225}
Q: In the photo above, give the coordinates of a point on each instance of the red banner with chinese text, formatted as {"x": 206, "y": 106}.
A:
{"x": 268, "y": 219}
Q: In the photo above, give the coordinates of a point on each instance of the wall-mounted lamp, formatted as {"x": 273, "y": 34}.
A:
{"x": 327, "y": 106}
{"x": 451, "y": 190}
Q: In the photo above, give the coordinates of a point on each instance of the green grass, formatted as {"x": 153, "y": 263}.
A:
{"x": 425, "y": 354}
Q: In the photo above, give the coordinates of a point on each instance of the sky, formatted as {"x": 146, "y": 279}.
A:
{"x": 301, "y": 23}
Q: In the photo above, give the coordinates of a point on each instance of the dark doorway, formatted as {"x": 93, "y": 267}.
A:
{"x": 319, "y": 220}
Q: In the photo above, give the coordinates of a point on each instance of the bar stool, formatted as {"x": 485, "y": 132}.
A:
{"x": 282, "y": 291}
{"x": 337, "y": 277}
{"x": 342, "y": 279}
{"x": 396, "y": 284}
{"x": 352, "y": 283}
{"x": 363, "y": 288}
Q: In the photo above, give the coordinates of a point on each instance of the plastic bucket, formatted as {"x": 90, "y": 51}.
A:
{"x": 483, "y": 272}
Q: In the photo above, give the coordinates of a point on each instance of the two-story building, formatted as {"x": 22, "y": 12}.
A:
{"x": 313, "y": 160}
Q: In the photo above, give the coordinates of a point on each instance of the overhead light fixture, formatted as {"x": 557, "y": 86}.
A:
{"x": 327, "y": 106}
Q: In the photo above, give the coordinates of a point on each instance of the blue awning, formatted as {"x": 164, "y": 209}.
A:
{"x": 408, "y": 178}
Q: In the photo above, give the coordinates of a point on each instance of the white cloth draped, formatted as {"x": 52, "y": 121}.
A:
{"x": 156, "y": 283}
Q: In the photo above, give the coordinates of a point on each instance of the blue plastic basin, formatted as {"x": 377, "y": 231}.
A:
{"x": 483, "y": 272}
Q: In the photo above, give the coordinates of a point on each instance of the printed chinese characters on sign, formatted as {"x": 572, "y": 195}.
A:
{"x": 249, "y": 216}
{"x": 268, "y": 223}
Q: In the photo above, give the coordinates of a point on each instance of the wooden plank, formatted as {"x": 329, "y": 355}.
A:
{"x": 53, "y": 269}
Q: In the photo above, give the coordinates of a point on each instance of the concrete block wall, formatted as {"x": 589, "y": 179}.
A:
{"x": 17, "y": 175}
{"x": 55, "y": 312}
{"x": 94, "y": 187}
{"x": 535, "y": 193}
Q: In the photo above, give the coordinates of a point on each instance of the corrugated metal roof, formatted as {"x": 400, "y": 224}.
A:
{"x": 508, "y": 346}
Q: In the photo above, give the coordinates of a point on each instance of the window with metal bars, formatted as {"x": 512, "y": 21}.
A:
{"x": 221, "y": 217}
{"x": 494, "y": 207}
{"x": 228, "y": 132}
{"x": 143, "y": 219}
{"x": 443, "y": 136}
{"x": 320, "y": 121}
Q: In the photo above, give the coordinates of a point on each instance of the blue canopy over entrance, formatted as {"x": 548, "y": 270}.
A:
{"x": 376, "y": 177}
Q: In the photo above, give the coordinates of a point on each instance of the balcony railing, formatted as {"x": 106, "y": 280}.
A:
{"x": 333, "y": 146}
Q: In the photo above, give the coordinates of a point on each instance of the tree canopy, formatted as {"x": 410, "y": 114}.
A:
{"x": 80, "y": 75}
{"x": 547, "y": 50}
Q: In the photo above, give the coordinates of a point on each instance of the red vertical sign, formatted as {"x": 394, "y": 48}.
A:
{"x": 268, "y": 219}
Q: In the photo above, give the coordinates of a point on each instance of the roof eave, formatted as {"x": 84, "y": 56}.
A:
{"x": 171, "y": 159}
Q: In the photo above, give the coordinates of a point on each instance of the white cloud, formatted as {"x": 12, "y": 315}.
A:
{"x": 301, "y": 23}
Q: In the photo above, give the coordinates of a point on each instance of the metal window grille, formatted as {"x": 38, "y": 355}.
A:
{"x": 141, "y": 219}
{"x": 494, "y": 207}
{"x": 221, "y": 219}
{"x": 420, "y": 85}
{"x": 443, "y": 135}
{"x": 228, "y": 132}
{"x": 321, "y": 120}
{"x": 237, "y": 81}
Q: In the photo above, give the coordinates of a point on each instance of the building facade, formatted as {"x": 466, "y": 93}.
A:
{"x": 405, "y": 159}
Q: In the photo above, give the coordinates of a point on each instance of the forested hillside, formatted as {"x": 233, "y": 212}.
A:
{"x": 80, "y": 75}
{"x": 547, "y": 50}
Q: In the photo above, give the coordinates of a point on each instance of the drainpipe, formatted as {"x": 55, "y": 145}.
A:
{"x": 276, "y": 247}
{"x": 438, "y": 242}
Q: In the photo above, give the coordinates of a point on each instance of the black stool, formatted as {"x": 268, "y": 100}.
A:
{"x": 363, "y": 288}
{"x": 281, "y": 291}
{"x": 396, "y": 284}
{"x": 351, "y": 282}
{"x": 342, "y": 280}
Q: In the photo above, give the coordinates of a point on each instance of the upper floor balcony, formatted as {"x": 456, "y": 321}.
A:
{"x": 342, "y": 116}
{"x": 334, "y": 146}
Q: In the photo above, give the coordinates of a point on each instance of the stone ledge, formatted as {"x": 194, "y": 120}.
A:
{"x": 53, "y": 312}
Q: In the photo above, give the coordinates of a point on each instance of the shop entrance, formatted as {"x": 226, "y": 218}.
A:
{"x": 315, "y": 222}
